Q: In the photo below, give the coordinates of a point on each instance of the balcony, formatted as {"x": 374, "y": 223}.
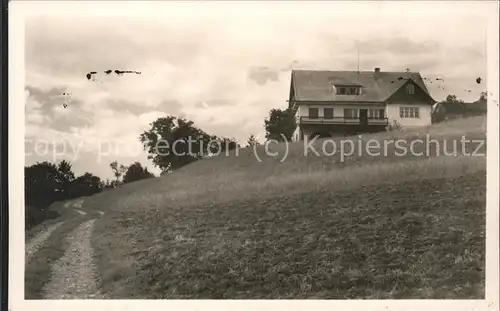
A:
{"x": 342, "y": 120}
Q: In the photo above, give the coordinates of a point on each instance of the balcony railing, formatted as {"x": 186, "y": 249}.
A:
{"x": 342, "y": 120}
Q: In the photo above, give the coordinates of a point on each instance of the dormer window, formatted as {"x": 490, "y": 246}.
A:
{"x": 353, "y": 91}
{"x": 410, "y": 89}
{"x": 348, "y": 90}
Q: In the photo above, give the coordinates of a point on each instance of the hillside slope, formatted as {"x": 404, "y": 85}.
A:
{"x": 311, "y": 226}
{"x": 303, "y": 226}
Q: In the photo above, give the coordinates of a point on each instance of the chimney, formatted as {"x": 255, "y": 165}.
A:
{"x": 377, "y": 69}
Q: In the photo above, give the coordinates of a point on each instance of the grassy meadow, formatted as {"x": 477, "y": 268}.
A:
{"x": 321, "y": 227}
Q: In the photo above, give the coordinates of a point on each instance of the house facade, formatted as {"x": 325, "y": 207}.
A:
{"x": 332, "y": 103}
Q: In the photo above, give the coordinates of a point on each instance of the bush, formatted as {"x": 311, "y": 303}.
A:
{"x": 46, "y": 183}
{"x": 394, "y": 126}
{"x": 35, "y": 215}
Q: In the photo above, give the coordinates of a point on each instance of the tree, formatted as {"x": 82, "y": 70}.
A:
{"x": 41, "y": 188}
{"x": 451, "y": 98}
{"x": 252, "y": 141}
{"x": 41, "y": 184}
{"x": 483, "y": 98}
{"x": 173, "y": 142}
{"x": 109, "y": 184}
{"x": 166, "y": 142}
{"x": 86, "y": 185}
{"x": 136, "y": 172}
{"x": 65, "y": 178}
{"x": 227, "y": 143}
{"x": 118, "y": 170}
{"x": 280, "y": 123}
{"x": 66, "y": 173}
{"x": 46, "y": 183}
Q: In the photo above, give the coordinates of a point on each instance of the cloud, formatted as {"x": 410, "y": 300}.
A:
{"x": 46, "y": 100}
{"x": 127, "y": 107}
{"x": 262, "y": 74}
{"x": 397, "y": 45}
{"x": 45, "y": 108}
{"x": 213, "y": 103}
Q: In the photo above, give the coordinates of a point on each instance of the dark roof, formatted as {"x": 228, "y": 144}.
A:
{"x": 461, "y": 108}
{"x": 479, "y": 106}
{"x": 312, "y": 85}
{"x": 455, "y": 108}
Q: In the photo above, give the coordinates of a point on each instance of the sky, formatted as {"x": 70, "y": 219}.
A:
{"x": 223, "y": 66}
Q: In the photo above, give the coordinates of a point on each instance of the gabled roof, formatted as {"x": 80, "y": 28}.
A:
{"x": 312, "y": 85}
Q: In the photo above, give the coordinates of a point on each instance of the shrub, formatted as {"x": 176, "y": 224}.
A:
{"x": 394, "y": 126}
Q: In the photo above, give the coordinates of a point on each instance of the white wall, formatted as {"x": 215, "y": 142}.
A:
{"x": 295, "y": 136}
{"x": 424, "y": 114}
{"x": 391, "y": 112}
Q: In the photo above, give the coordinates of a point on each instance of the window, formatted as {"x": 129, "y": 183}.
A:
{"x": 352, "y": 91}
{"x": 313, "y": 113}
{"x": 409, "y": 112}
{"x": 376, "y": 113}
{"x": 372, "y": 113}
{"x": 328, "y": 113}
{"x": 410, "y": 89}
{"x": 350, "y": 113}
{"x": 348, "y": 90}
{"x": 381, "y": 113}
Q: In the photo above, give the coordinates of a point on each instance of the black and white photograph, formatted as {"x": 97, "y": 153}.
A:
{"x": 239, "y": 150}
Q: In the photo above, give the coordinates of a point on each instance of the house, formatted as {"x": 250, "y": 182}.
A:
{"x": 447, "y": 110}
{"x": 330, "y": 103}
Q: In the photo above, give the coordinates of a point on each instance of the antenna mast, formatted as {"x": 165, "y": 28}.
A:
{"x": 357, "y": 45}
